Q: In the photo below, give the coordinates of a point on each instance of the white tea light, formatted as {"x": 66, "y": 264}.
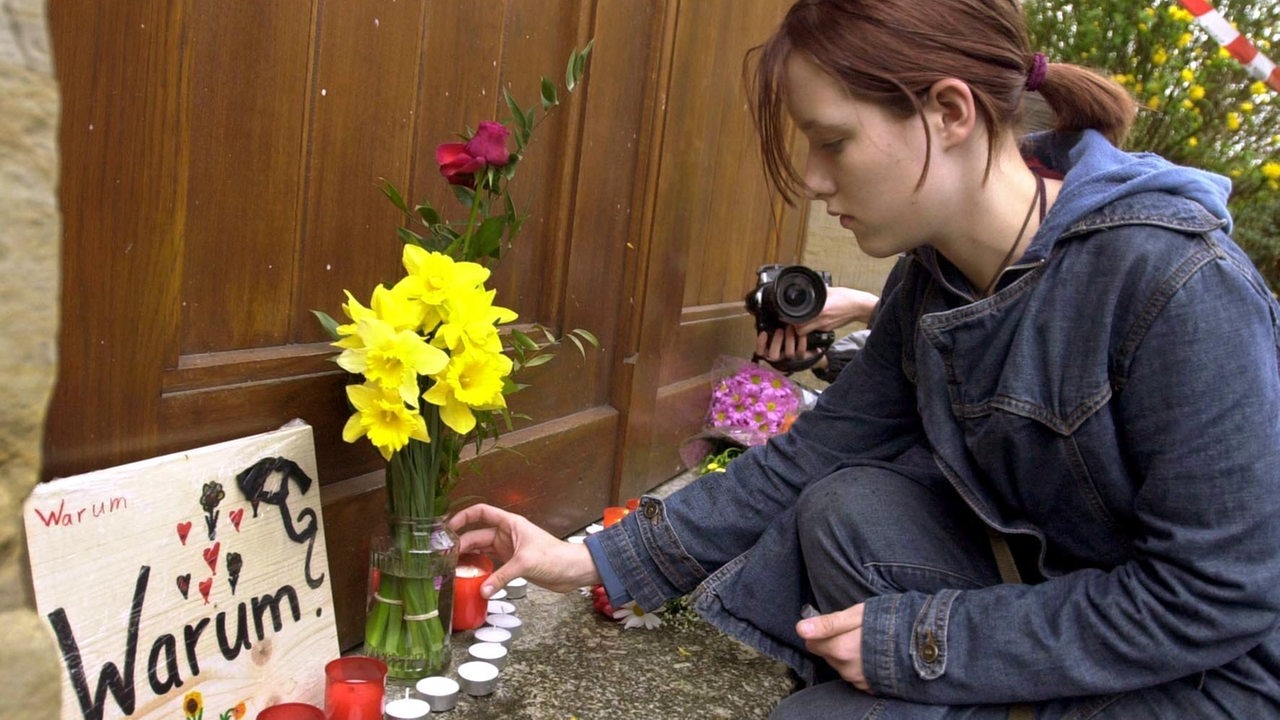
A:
{"x": 501, "y": 607}
{"x": 441, "y": 692}
{"x": 493, "y": 653}
{"x": 510, "y": 623}
{"x": 478, "y": 677}
{"x": 499, "y": 595}
{"x": 491, "y": 634}
{"x": 407, "y": 709}
{"x": 577, "y": 539}
{"x": 517, "y": 588}
{"x": 593, "y": 528}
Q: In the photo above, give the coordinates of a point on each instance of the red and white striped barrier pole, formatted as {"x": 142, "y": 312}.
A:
{"x": 1245, "y": 52}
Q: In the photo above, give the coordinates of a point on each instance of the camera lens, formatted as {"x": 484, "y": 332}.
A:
{"x": 800, "y": 294}
{"x": 794, "y": 296}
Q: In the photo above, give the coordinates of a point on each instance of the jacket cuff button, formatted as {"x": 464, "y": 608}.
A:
{"x": 929, "y": 648}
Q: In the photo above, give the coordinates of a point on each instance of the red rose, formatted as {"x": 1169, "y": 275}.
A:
{"x": 457, "y": 165}
{"x": 490, "y": 143}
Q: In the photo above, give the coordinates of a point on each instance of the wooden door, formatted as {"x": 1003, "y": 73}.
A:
{"x": 219, "y": 170}
{"x": 712, "y": 223}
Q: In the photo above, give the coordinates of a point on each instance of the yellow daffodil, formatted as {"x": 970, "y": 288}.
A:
{"x": 1271, "y": 170}
{"x": 382, "y": 416}
{"x": 392, "y": 358}
{"x": 1246, "y": 106}
{"x": 1187, "y": 75}
{"x": 432, "y": 275}
{"x": 1196, "y": 92}
{"x": 1187, "y": 104}
{"x": 1154, "y": 102}
{"x": 356, "y": 312}
{"x": 1258, "y": 88}
{"x": 1233, "y": 121}
{"x": 392, "y": 307}
{"x": 398, "y": 309}
{"x": 1159, "y": 57}
{"x": 1183, "y": 40}
{"x": 1193, "y": 141}
{"x": 471, "y": 320}
{"x": 473, "y": 380}
{"x": 1224, "y": 54}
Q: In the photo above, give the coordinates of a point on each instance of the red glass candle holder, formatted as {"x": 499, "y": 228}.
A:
{"x": 633, "y": 504}
{"x": 354, "y": 687}
{"x": 291, "y": 711}
{"x": 469, "y": 606}
{"x": 613, "y": 514}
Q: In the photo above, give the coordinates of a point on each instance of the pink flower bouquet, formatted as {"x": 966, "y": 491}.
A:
{"x": 749, "y": 404}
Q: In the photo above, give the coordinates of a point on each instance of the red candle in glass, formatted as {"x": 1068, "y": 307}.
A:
{"x": 469, "y": 606}
{"x": 354, "y": 687}
{"x": 614, "y": 514}
{"x": 291, "y": 711}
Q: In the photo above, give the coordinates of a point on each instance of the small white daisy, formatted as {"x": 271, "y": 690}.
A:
{"x": 633, "y": 616}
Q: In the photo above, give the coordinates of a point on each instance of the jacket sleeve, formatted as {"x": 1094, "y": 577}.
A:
{"x": 668, "y": 547}
{"x": 1197, "y": 409}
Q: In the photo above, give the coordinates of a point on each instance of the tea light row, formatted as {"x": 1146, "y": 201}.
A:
{"x": 479, "y": 675}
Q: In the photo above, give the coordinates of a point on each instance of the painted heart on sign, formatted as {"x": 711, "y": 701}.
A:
{"x": 183, "y": 529}
{"x": 211, "y": 556}
{"x": 184, "y": 584}
{"x": 236, "y": 516}
{"x": 205, "y": 586}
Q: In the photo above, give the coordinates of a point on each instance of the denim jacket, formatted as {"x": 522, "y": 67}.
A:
{"x": 1117, "y": 399}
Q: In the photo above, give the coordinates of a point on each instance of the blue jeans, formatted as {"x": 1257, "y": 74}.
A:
{"x": 868, "y": 531}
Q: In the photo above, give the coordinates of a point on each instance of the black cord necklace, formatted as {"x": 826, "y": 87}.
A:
{"x": 1037, "y": 199}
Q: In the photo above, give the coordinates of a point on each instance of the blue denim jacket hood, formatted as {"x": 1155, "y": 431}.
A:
{"x": 1117, "y": 400}
{"x": 1099, "y": 175}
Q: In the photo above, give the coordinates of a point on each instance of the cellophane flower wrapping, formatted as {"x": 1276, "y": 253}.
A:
{"x": 750, "y": 403}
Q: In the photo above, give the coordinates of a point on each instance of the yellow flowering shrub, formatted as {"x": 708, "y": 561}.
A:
{"x": 1199, "y": 105}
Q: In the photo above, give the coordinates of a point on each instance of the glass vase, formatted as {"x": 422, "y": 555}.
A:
{"x": 410, "y": 611}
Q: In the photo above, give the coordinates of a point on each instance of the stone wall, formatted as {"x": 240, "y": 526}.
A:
{"x": 30, "y": 238}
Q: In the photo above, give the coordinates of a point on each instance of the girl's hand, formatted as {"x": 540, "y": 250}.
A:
{"x": 837, "y": 638}
{"x": 522, "y": 549}
{"x": 844, "y": 305}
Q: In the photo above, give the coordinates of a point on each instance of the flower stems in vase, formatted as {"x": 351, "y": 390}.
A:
{"x": 411, "y": 575}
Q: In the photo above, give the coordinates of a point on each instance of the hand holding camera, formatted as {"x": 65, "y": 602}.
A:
{"x": 791, "y": 295}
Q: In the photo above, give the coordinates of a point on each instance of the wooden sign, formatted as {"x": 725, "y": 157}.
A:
{"x": 192, "y": 586}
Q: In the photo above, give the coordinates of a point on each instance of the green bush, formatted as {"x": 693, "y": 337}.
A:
{"x": 1199, "y": 105}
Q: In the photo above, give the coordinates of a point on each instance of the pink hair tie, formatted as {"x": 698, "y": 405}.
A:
{"x": 1039, "y": 68}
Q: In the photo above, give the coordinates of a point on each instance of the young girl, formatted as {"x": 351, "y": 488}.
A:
{"x": 1074, "y": 361}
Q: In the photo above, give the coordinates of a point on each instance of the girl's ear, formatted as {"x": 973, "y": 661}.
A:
{"x": 951, "y": 111}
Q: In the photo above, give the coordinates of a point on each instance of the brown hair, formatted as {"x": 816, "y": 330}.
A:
{"x": 891, "y": 52}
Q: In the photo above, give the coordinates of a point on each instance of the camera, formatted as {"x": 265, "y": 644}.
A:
{"x": 790, "y": 295}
